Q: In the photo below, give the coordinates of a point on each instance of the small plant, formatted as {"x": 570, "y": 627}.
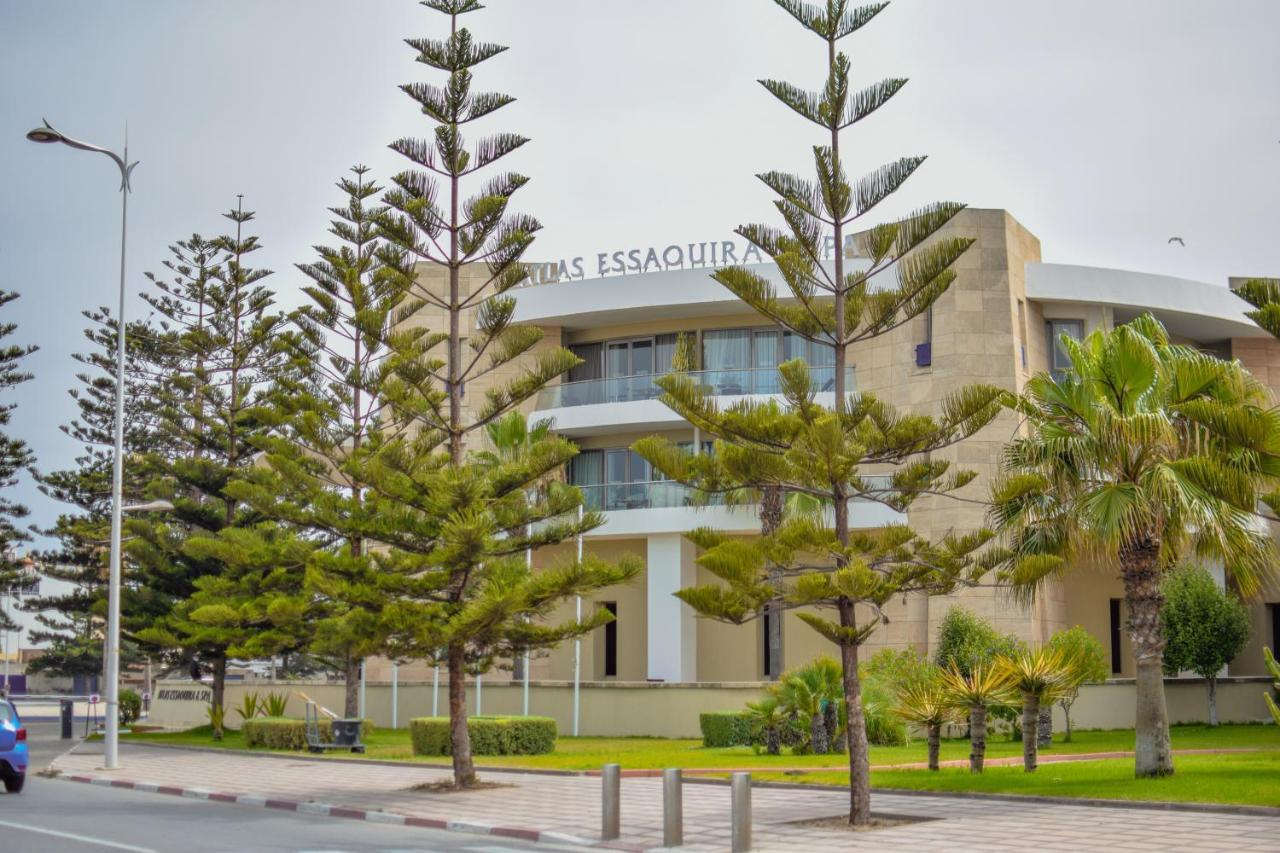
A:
{"x": 925, "y": 703}
{"x": 130, "y": 707}
{"x": 767, "y": 724}
{"x": 982, "y": 687}
{"x": 249, "y": 706}
{"x": 274, "y": 705}
{"x": 1274, "y": 669}
{"x": 1088, "y": 663}
{"x": 813, "y": 698}
{"x": 1041, "y": 676}
{"x": 216, "y": 714}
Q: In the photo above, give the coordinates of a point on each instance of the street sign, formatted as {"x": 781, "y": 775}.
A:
{"x": 94, "y": 699}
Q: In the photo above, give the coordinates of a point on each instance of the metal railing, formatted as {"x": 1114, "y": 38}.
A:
{"x": 729, "y": 382}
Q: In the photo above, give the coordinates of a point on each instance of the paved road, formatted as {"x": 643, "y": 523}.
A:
{"x": 55, "y": 816}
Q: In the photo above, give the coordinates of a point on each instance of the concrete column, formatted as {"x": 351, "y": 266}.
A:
{"x": 672, "y": 628}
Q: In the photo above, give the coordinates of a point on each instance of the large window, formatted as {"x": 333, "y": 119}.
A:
{"x": 1059, "y": 361}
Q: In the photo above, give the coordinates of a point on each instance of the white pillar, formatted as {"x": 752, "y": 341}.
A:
{"x": 479, "y": 696}
{"x": 672, "y": 629}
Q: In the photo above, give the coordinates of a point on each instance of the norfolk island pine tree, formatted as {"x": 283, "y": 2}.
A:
{"x": 457, "y": 527}
{"x": 70, "y": 622}
{"x": 805, "y": 448}
{"x": 1145, "y": 454}
{"x": 320, "y": 411}
{"x": 225, "y": 353}
{"x": 14, "y": 457}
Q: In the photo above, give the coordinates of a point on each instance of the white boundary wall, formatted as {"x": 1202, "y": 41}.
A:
{"x": 671, "y": 710}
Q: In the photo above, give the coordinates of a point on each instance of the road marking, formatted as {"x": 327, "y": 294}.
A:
{"x": 71, "y": 836}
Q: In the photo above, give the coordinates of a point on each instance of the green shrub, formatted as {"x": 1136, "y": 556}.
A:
{"x": 490, "y": 735}
{"x": 287, "y": 732}
{"x": 722, "y": 729}
{"x": 130, "y": 707}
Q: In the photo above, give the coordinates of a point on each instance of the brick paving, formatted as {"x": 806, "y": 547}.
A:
{"x": 567, "y": 808}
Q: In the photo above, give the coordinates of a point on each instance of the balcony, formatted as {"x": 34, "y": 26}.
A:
{"x": 664, "y": 506}
{"x": 723, "y": 383}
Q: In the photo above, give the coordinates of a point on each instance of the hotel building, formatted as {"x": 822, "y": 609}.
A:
{"x": 996, "y": 324}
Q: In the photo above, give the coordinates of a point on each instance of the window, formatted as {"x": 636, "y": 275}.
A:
{"x": 1274, "y": 609}
{"x": 924, "y": 349}
{"x": 1021, "y": 332}
{"x": 611, "y": 479}
{"x": 592, "y": 366}
{"x": 611, "y": 641}
{"x": 772, "y": 634}
{"x": 1059, "y": 361}
{"x": 1116, "y": 666}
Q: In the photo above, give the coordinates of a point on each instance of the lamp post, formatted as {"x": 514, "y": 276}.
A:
{"x": 48, "y": 134}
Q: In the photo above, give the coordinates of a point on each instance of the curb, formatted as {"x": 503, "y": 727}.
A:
{"x": 311, "y": 807}
{"x": 375, "y": 762}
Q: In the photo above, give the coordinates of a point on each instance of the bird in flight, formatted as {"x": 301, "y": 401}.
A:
{"x": 1178, "y": 240}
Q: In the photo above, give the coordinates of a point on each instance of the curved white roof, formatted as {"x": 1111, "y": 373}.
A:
{"x": 1190, "y": 309}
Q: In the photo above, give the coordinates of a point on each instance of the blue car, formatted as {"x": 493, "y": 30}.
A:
{"x": 13, "y": 748}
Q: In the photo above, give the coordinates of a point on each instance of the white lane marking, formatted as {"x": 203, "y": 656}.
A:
{"x": 71, "y": 836}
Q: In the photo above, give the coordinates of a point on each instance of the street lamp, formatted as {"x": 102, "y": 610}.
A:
{"x": 48, "y": 134}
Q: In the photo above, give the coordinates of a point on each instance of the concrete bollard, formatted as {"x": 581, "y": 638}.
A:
{"x": 611, "y": 805}
{"x": 741, "y": 793}
{"x": 672, "y": 808}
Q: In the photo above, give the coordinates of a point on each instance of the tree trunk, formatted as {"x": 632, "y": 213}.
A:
{"x": 831, "y": 722}
{"x": 1213, "y": 699}
{"x": 818, "y": 739}
{"x": 1045, "y": 728}
{"x": 1066, "y": 712}
{"x": 351, "y": 695}
{"x": 935, "y": 744}
{"x": 977, "y": 737}
{"x": 1030, "y": 730}
{"x": 773, "y": 740}
{"x": 219, "y": 694}
{"x": 771, "y": 508}
{"x": 464, "y": 771}
{"x": 855, "y": 728}
{"x": 1153, "y": 755}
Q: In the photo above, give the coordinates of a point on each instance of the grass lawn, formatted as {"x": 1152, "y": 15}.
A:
{"x": 1247, "y": 779}
{"x": 589, "y": 753}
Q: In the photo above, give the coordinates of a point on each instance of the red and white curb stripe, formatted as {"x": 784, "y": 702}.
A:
{"x": 313, "y": 808}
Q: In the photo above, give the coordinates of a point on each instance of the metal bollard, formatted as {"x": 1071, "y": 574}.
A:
{"x": 67, "y": 713}
{"x": 672, "y": 808}
{"x": 610, "y": 810}
{"x": 741, "y": 788}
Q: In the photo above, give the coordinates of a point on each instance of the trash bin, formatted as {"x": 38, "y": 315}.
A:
{"x": 67, "y": 714}
{"x": 346, "y": 732}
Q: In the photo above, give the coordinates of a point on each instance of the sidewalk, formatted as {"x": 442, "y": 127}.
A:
{"x": 567, "y": 808}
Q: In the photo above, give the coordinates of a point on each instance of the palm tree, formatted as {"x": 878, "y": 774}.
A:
{"x": 811, "y": 695}
{"x": 925, "y": 703}
{"x": 767, "y": 723}
{"x": 1145, "y": 453}
{"x": 512, "y": 436}
{"x": 984, "y": 686}
{"x": 1042, "y": 677}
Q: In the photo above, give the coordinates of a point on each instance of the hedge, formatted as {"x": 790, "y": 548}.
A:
{"x": 725, "y": 728}
{"x": 490, "y": 735}
{"x": 287, "y": 732}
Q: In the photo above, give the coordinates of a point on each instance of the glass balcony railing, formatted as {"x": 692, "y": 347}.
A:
{"x": 723, "y": 383}
{"x": 664, "y": 494}
{"x": 611, "y": 497}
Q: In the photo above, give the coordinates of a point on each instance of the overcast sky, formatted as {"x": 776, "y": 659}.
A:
{"x": 1105, "y": 126}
